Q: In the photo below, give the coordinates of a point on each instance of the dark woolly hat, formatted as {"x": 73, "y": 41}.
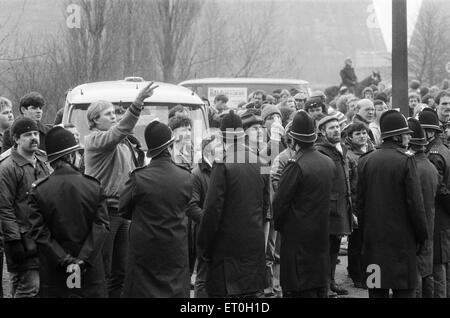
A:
{"x": 415, "y": 84}
{"x": 418, "y": 134}
{"x": 381, "y": 96}
{"x": 250, "y": 117}
{"x": 429, "y": 119}
{"x": 303, "y": 127}
{"x": 393, "y": 123}
{"x": 59, "y": 142}
{"x": 314, "y": 102}
{"x": 158, "y": 136}
{"x": 22, "y": 125}
{"x": 231, "y": 126}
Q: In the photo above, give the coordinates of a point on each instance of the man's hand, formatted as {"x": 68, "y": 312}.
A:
{"x": 144, "y": 93}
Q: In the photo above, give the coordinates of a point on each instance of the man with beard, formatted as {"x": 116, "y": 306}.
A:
{"x": 391, "y": 212}
{"x": 340, "y": 210}
{"x": 17, "y": 172}
{"x": 30, "y": 106}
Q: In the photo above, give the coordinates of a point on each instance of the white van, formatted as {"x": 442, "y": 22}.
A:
{"x": 123, "y": 92}
{"x": 238, "y": 89}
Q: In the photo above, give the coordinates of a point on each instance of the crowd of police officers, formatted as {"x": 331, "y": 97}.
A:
{"x": 125, "y": 229}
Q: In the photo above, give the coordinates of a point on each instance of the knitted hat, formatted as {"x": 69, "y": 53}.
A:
{"x": 303, "y": 127}
{"x": 429, "y": 119}
{"x": 268, "y": 110}
{"x": 59, "y": 142}
{"x": 325, "y": 120}
{"x": 158, "y": 136}
{"x": 23, "y": 125}
{"x": 418, "y": 134}
{"x": 393, "y": 123}
{"x": 231, "y": 126}
{"x": 250, "y": 117}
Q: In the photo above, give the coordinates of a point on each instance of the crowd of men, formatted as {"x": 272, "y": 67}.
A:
{"x": 282, "y": 179}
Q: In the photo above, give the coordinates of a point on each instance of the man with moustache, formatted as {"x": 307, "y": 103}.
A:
{"x": 30, "y": 106}
{"x": 443, "y": 112}
{"x": 17, "y": 172}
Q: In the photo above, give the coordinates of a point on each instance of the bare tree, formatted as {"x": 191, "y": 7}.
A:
{"x": 253, "y": 23}
{"x": 429, "y": 49}
{"x": 171, "y": 23}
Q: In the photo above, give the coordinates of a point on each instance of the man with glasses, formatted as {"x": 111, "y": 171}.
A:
{"x": 30, "y": 106}
{"x": 443, "y": 112}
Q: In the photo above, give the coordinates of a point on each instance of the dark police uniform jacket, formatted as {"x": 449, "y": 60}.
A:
{"x": 391, "y": 212}
{"x": 155, "y": 199}
{"x": 69, "y": 216}
{"x": 302, "y": 216}
{"x": 231, "y": 234}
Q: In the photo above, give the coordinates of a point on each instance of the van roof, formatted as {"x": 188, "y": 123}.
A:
{"x": 126, "y": 92}
{"x": 242, "y": 80}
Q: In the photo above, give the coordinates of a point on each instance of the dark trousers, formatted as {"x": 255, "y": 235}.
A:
{"x": 115, "y": 253}
{"x": 396, "y": 293}
{"x": 258, "y": 294}
{"x": 425, "y": 289}
{"x": 355, "y": 267}
{"x": 335, "y": 245}
{"x": 273, "y": 261}
{"x": 321, "y": 292}
{"x": 200, "y": 279}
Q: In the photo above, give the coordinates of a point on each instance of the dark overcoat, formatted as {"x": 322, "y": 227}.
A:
{"x": 69, "y": 216}
{"x": 340, "y": 208}
{"x": 231, "y": 234}
{"x": 439, "y": 155}
{"x": 301, "y": 215}
{"x": 155, "y": 198}
{"x": 391, "y": 214}
{"x": 428, "y": 177}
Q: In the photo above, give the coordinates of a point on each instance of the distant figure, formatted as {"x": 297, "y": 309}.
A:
{"x": 348, "y": 76}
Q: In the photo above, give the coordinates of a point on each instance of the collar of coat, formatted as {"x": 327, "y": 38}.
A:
{"x": 66, "y": 170}
{"x": 21, "y": 161}
{"x": 358, "y": 118}
{"x": 328, "y": 145}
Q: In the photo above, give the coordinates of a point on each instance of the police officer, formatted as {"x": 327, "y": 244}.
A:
{"x": 428, "y": 177}
{"x": 439, "y": 155}
{"x": 155, "y": 198}
{"x": 70, "y": 227}
{"x": 391, "y": 211}
{"x": 301, "y": 214}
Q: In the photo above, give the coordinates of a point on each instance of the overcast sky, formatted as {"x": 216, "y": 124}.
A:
{"x": 383, "y": 9}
